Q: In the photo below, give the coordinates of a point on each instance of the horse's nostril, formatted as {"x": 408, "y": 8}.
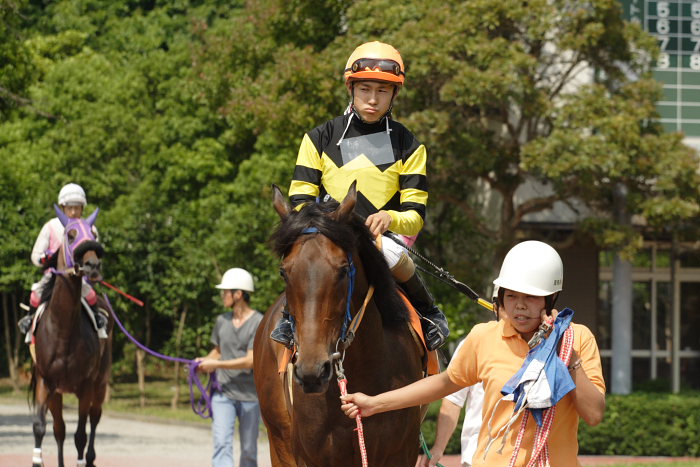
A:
{"x": 325, "y": 371}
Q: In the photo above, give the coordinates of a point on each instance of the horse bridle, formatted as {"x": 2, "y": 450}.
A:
{"x": 350, "y": 324}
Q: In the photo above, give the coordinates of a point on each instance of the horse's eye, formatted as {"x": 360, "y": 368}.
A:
{"x": 71, "y": 235}
{"x": 343, "y": 272}
{"x": 283, "y": 273}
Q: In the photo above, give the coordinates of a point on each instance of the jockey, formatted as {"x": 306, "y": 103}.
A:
{"x": 72, "y": 201}
{"x": 387, "y": 161}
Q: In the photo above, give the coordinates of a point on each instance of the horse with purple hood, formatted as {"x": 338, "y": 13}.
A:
{"x": 70, "y": 358}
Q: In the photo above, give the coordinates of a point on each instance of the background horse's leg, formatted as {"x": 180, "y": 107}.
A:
{"x": 41, "y": 394}
{"x": 84, "y": 402}
{"x": 95, "y": 415}
{"x": 59, "y": 426}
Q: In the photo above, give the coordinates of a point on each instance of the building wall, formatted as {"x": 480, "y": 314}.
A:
{"x": 580, "y": 291}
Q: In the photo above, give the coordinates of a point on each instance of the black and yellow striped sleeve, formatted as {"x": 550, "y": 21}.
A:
{"x": 307, "y": 174}
{"x": 413, "y": 189}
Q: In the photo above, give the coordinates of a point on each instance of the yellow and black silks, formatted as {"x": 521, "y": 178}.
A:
{"x": 389, "y": 169}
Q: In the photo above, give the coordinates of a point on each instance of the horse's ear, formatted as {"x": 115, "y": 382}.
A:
{"x": 93, "y": 217}
{"x": 280, "y": 203}
{"x": 61, "y": 215}
{"x": 345, "y": 209}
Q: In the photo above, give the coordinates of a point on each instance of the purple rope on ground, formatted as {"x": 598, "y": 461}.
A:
{"x": 201, "y": 406}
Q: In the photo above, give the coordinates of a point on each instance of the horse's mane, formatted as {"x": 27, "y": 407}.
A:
{"x": 349, "y": 236}
{"x": 48, "y": 289}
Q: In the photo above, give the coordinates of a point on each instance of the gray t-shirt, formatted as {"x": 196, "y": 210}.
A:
{"x": 235, "y": 343}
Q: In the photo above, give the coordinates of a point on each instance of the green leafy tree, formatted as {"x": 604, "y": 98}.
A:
{"x": 16, "y": 67}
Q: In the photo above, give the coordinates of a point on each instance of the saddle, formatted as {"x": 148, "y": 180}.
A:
{"x": 101, "y": 333}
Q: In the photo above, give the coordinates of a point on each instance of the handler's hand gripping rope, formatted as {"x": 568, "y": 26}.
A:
{"x": 426, "y": 451}
{"x": 343, "y": 385}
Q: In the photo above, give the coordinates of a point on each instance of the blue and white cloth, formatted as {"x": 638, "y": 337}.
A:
{"x": 543, "y": 380}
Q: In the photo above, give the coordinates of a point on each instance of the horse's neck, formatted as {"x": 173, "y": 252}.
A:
{"x": 65, "y": 298}
{"x": 370, "y": 330}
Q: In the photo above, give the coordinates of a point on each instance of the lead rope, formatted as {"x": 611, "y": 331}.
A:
{"x": 338, "y": 357}
{"x": 540, "y": 454}
{"x": 343, "y": 385}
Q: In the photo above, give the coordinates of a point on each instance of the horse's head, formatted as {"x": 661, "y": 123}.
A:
{"x": 317, "y": 245}
{"x": 80, "y": 248}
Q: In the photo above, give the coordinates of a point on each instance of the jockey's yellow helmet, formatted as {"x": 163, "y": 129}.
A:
{"x": 375, "y": 61}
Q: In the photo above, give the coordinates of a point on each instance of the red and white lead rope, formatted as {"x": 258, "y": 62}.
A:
{"x": 540, "y": 453}
{"x": 343, "y": 385}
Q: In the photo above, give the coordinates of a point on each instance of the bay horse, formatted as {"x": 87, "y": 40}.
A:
{"x": 70, "y": 358}
{"x": 319, "y": 246}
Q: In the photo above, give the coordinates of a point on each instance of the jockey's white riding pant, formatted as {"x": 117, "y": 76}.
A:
{"x": 392, "y": 251}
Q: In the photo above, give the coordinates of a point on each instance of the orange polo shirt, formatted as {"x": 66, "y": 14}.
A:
{"x": 492, "y": 353}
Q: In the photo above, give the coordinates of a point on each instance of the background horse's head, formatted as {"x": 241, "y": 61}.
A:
{"x": 323, "y": 246}
{"x": 80, "y": 248}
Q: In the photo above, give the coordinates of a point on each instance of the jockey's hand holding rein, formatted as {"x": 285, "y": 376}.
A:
{"x": 378, "y": 223}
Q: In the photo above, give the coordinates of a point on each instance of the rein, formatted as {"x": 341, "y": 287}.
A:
{"x": 201, "y": 406}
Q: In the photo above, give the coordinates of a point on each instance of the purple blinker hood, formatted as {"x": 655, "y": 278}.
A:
{"x": 84, "y": 235}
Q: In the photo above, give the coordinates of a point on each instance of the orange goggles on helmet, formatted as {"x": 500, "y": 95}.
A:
{"x": 376, "y": 64}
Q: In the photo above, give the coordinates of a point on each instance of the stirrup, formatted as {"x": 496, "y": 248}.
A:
{"x": 101, "y": 321}
{"x": 435, "y": 330}
{"x": 95, "y": 319}
{"x": 25, "y": 324}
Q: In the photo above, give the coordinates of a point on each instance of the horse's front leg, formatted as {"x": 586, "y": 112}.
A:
{"x": 84, "y": 402}
{"x": 59, "y": 426}
{"x": 41, "y": 394}
{"x": 95, "y": 415}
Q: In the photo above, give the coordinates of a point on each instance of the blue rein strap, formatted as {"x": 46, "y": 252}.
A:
{"x": 351, "y": 288}
{"x": 348, "y": 303}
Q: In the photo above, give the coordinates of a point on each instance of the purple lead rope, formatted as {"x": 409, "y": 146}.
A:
{"x": 201, "y": 406}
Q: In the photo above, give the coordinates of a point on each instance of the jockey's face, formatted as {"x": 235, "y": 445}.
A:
{"x": 372, "y": 99}
{"x": 73, "y": 211}
{"x": 523, "y": 311}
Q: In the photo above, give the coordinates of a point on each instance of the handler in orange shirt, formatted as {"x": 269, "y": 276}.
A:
{"x": 531, "y": 277}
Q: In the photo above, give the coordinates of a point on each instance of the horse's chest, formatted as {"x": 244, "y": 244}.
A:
{"x": 64, "y": 369}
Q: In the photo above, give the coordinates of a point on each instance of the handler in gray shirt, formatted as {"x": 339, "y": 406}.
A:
{"x": 232, "y": 358}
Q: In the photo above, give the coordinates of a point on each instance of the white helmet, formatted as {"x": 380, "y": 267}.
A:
{"x": 72, "y": 195}
{"x": 237, "y": 279}
{"x": 532, "y": 268}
